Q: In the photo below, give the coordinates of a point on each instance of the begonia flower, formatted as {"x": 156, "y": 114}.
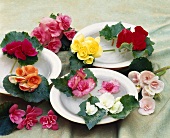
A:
{"x": 91, "y": 109}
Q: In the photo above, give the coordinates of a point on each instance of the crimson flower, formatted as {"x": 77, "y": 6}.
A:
{"x": 16, "y": 114}
{"x": 49, "y": 121}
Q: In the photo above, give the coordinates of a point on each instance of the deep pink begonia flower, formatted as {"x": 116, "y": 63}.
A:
{"x": 16, "y": 114}
{"x": 81, "y": 73}
{"x": 54, "y": 45}
{"x": 28, "y": 49}
{"x": 84, "y": 87}
{"x": 64, "y": 21}
{"x": 49, "y": 121}
{"x": 112, "y": 86}
{"x": 72, "y": 83}
{"x": 34, "y": 110}
{"x": 70, "y": 34}
{"x": 28, "y": 122}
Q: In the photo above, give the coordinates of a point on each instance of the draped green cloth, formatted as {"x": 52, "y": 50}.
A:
{"x": 153, "y": 15}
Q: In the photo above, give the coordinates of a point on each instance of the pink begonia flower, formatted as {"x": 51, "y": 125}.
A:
{"x": 54, "y": 45}
{"x": 145, "y": 77}
{"x": 134, "y": 76}
{"x": 28, "y": 122}
{"x": 70, "y": 34}
{"x": 112, "y": 86}
{"x": 81, "y": 73}
{"x": 16, "y": 114}
{"x": 145, "y": 93}
{"x": 43, "y": 36}
{"x": 84, "y": 87}
{"x": 49, "y": 121}
{"x": 156, "y": 85}
{"x": 147, "y": 106}
{"x": 28, "y": 49}
{"x": 54, "y": 29}
{"x": 72, "y": 83}
{"x": 64, "y": 21}
{"x": 34, "y": 110}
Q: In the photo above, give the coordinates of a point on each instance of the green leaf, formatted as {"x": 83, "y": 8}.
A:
{"x": 140, "y": 64}
{"x": 41, "y": 93}
{"x": 6, "y": 125}
{"x": 61, "y": 85}
{"x": 53, "y": 16}
{"x": 126, "y": 46}
{"x": 161, "y": 73}
{"x": 111, "y": 32}
{"x": 65, "y": 44}
{"x": 91, "y": 120}
{"x": 20, "y": 36}
{"x": 90, "y": 75}
{"x": 129, "y": 102}
{"x": 138, "y": 54}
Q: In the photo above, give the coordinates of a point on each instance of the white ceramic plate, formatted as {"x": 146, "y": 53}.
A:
{"x": 108, "y": 59}
{"x": 68, "y": 107}
{"x": 48, "y": 64}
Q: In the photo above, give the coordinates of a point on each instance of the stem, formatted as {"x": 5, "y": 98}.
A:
{"x": 162, "y": 69}
{"x": 13, "y": 66}
{"x": 109, "y": 50}
{"x": 112, "y": 42}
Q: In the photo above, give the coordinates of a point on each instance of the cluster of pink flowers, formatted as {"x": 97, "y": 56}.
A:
{"x": 137, "y": 38}
{"x": 16, "y": 116}
{"x": 149, "y": 85}
{"x": 20, "y": 49}
{"x": 112, "y": 86}
{"x": 50, "y": 31}
{"x": 80, "y": 85}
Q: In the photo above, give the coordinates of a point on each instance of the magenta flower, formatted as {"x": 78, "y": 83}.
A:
{"x": 147, "y": 105}
{"x": 72, "y": 83}
{"x": 54, "y": 45}
{"x": 81, "y": 73}
{"x": 16, "y": 114}
{"x": 112, "y": 86}
{"x": 70, "y": 34}
{"x": 34, "y": 110}
{"x": 64, "y": 21}
{"x": 49, "y": 121}
{"x": 84, "y": 87}
{"x": 28, "y": 122}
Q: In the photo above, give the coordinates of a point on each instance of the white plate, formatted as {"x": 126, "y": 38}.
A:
{"x": 68, "y": 107}
{"x": 48, "y": 64}
{"x": 108, "y": 59}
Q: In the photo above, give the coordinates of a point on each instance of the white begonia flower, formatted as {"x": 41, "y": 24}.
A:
{"x": 106, "y": 101}
{"x": 91, "y": 109}
{"x": 117, "y": 107}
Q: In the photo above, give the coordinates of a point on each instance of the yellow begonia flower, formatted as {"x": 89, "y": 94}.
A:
{"x": 82, "y": 54}
{"x": 89, "y": 60}
{"x": 98, "y": 53}
{"x": 97, "y": 39}
{"x": 92, "y": 47}
{"x": 75, "y": 46}
{"x": 80, "y": 38}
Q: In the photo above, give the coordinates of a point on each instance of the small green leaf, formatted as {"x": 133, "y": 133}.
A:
{"x": 161, "y": 73}
{"x": 90, "y": 74}
{"x": 6, "y": 125}
{"x": 111, "y": 32}
{"x": 62, "y": 86}
{"x": 126, "y": 46}
{"x": 91, "y": 120}
{"x": 129, "y": 103}
{"x": 53, "y": 16}
{"x": 138, "y": 54}
{"x": 39, "y": 94}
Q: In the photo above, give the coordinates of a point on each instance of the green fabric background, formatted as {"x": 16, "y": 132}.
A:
{"x": 153, "y": 15}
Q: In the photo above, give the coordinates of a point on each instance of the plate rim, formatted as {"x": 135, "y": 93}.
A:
{"x": 57, "y": 60}
{"x": 96, "y": 27}
{"x": 75, "y": 118}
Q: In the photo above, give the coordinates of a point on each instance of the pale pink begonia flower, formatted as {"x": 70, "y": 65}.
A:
{"x": 145, "y": 93}
{"x": 70, "y": 34}
{"x": 134, "y": 76}
{"x": 145, "y": 77}
{"x": 112, "y": 86}
{"x": 49, "y": 121}
{"x": 16, "y": 114}
{"x": 147, "y": 106}
{"x": 64, "y": 21}
{"x": 84, "y": 87}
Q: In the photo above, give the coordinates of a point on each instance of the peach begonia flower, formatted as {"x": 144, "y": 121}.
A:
{"x": 33, "y": 80}
{"x": 147, "y": 106}
{"x": 29, "y": 69}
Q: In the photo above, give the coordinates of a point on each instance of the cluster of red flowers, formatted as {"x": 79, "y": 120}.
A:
{"x": 137, "y": 38}
{"x": 50, "y": 31}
